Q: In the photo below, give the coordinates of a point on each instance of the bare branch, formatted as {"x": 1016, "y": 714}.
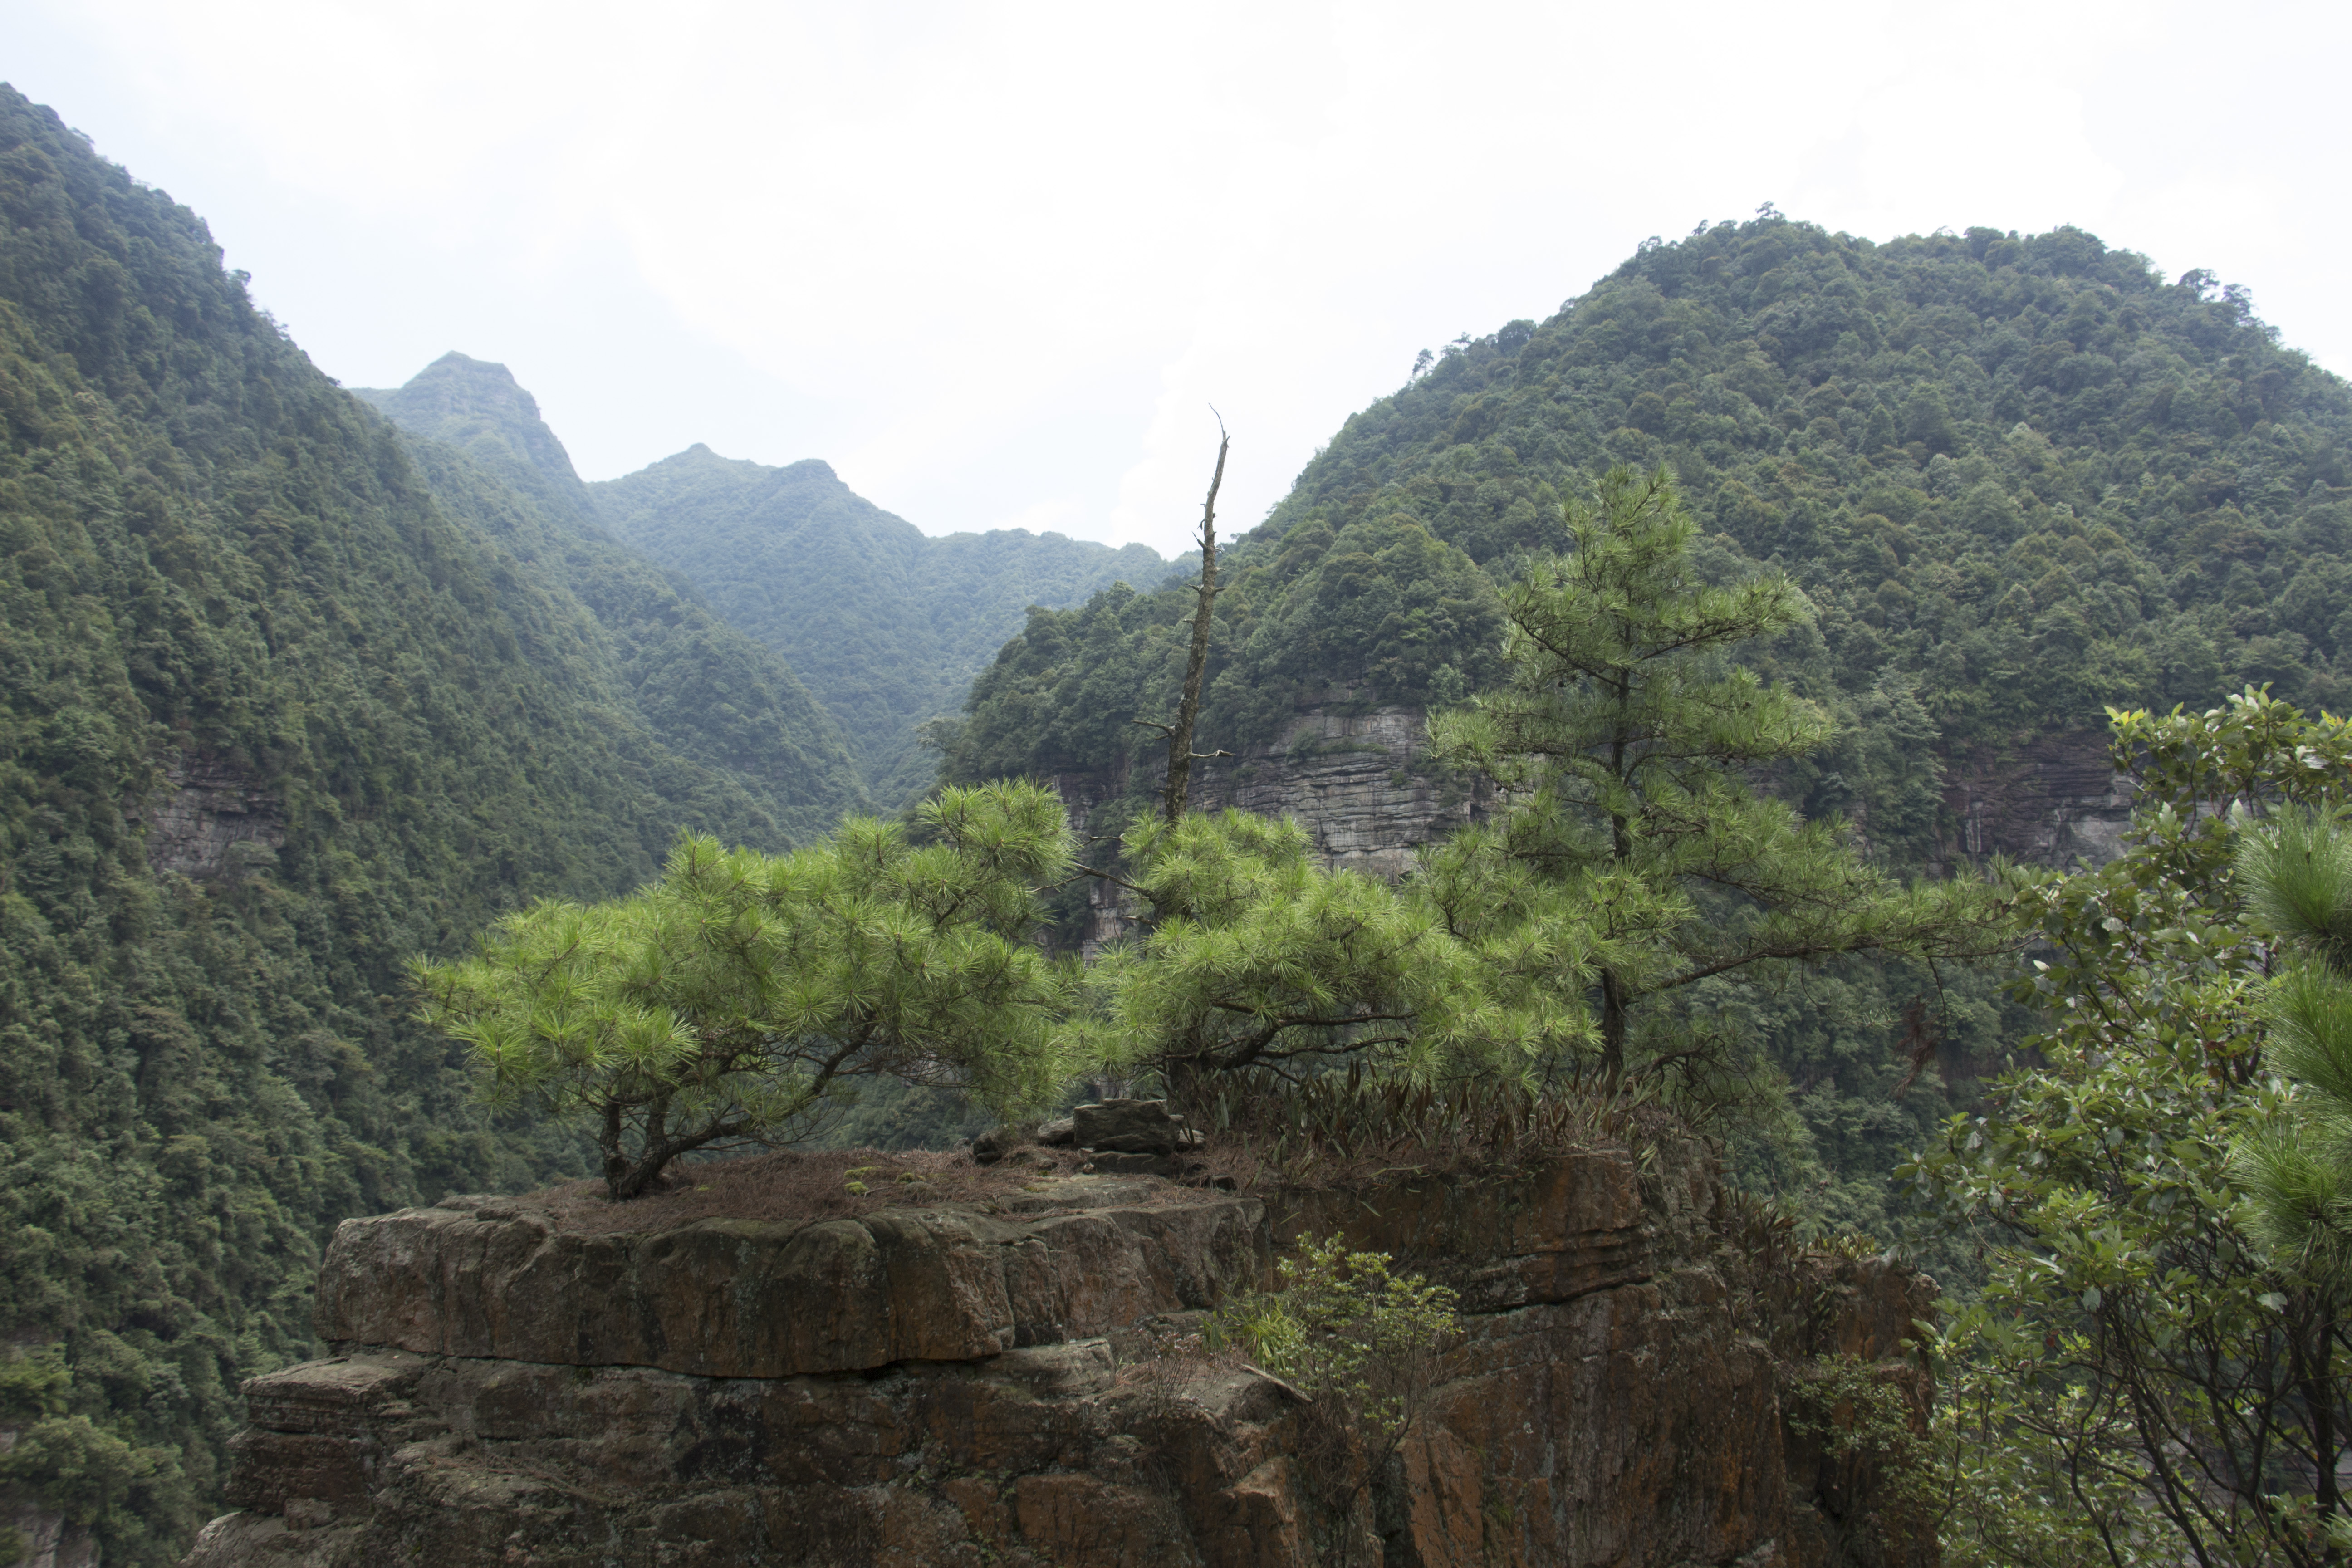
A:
{"x": 1179, "y": 738}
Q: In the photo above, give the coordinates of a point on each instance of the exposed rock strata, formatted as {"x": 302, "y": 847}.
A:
{"x": 45, "y": 1538}
{"x": 956, "y": 1387}
{"x": 2048, "y": 800}
{"x": 1360, "y": 783}
{"x": 726, "y": 1298}
{"x": 210, "y": 819}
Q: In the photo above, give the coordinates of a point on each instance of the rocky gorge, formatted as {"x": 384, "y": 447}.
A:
{"x": 990, "y": 1380}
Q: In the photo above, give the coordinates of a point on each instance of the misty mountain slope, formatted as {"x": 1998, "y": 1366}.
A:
{"x": 272, "y": 721}
{"x": 885, "y": 626}
{"x": 749, "y": 741}
{"x": 2021, "y": 477}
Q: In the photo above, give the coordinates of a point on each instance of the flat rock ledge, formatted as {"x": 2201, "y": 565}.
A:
{"x": 748, "y": 1298}
{"x": 968, "y": 1387}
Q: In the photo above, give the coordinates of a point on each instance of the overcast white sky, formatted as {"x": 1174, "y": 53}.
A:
{"x": 994, "y": 262}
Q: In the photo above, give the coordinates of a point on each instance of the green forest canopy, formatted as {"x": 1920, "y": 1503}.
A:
{"x": 2019, "y": 476}
{"x": 2016, "y": 475}
{"x": 701, "y": 687}
{"x": 887, "y": 625}
{"x": 220, "y": 569}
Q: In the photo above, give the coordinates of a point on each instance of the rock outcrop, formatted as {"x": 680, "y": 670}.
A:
{"x": 2047, "y": 800}
{"x": 990, "y": 1384}
{"x": 1360, "y": 783}
{"x": 210, "y": 820}
{"x": 45, "y": 1538}
{"x": 1359, "y": 780}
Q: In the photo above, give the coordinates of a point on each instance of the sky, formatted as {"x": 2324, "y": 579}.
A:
{"x": 998, "y": 263}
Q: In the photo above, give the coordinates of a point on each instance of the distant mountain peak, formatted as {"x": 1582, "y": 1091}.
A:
{"x": 885, "y": 626}
{"x": 474, "y": 402}
{"x": 465, "y": 384}
{"x": 701, "y": 455}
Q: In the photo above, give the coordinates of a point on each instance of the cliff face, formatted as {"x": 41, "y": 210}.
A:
{"x": 1360, "y": 783}
{"x": 980, "y": 1385}
{"x": 2047, "y": 800}
{"x": 211, "y": 819}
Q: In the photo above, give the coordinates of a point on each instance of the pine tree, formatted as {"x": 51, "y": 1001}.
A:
{"x": 1633, "y": 753}
{"x": 733, "y": 1001}
{"x": 2298, "y": 882}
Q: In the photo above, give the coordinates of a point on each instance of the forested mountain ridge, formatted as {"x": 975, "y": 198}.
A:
{"x": 705, "y": 690}
{"x": 271, "y": 721}
{"x": 2019, "y": 476}
{"x": 886, "y": 626}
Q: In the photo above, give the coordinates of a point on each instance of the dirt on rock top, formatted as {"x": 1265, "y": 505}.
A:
{"x": 840, "y": 1183}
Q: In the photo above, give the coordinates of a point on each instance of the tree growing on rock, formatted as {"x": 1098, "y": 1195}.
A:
{"x": 1370, "y": 1349}
{"x": 735, "y": 1000}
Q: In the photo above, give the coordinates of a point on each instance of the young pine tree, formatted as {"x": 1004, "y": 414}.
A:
{"x": 1634, "y": 752}
{"x": 736, "y": 1001}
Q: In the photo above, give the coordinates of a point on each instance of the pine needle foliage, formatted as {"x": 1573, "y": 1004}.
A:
{"x": 2298, "y": 1166}
{"x": 735, "y": 1001}
{"x": 1254, "y": 957}
{"x": 1632, "y": 749}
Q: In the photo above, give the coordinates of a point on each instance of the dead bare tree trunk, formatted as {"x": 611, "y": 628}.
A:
{"x": 1180, "y": 755}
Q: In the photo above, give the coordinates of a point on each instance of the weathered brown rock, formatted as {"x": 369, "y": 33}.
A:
{"x": 947, "y": 1387}
{"x": 1575, "y": 1225}
{"x": 999, "y": 1141}
{"x": 766, "y": 1299}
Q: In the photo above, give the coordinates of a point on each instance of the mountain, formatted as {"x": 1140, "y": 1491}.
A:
{"x": 2021, "y": 477}
{"x": 285, "y": 699}
{"x": 706, "y": 691}
{"x": 887, "y": 627}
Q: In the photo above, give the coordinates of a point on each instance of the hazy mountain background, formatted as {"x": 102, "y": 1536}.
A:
{"x": 887, "y": 625}
{"x": 701, "y": 687}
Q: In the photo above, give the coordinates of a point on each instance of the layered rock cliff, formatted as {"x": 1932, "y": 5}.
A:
{"x": 1359, "y": 780}
{"x": 1361, "y": 784}
{"x": 985, "y": 1383}
{"x": 2046, "y": 800}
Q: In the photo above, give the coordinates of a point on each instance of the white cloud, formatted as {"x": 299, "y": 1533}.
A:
{"x": 996, "y": 262}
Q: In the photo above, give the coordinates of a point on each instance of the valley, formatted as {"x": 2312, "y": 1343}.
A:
{"x": 307, "y": 687}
